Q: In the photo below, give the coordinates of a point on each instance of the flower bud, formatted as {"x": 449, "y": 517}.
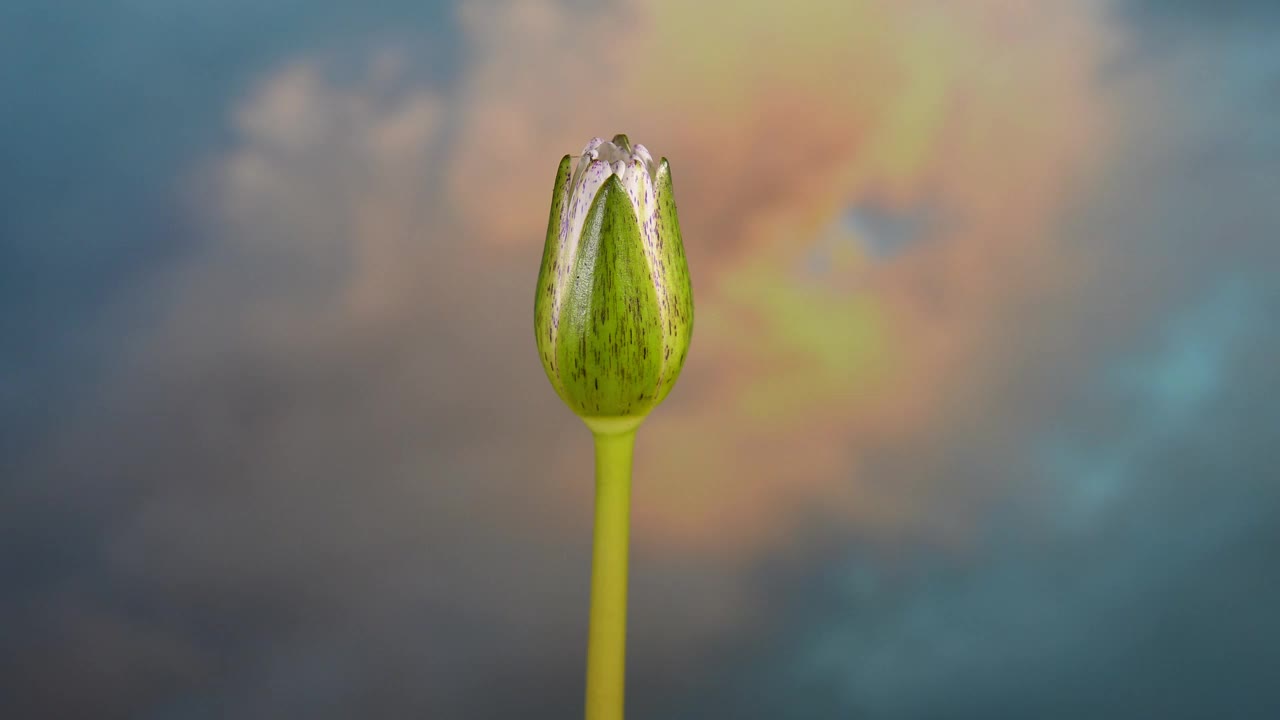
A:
{"x": 614, "y": 309}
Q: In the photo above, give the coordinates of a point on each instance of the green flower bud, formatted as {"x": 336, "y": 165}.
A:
{"x": 614, "y": 310}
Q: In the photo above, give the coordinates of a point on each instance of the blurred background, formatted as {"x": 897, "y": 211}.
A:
{"x": 980, "y": 418}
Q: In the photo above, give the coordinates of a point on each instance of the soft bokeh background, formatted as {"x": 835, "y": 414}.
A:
{"x": 980, "y": 418}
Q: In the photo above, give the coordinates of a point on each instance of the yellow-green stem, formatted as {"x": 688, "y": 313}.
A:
{"x": 607, "y": 636}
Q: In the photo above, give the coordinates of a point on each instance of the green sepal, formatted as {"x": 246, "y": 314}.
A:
{"x": 673, "y": 273}
{"x": 544, "y": 299}
{"x": 610, "y": 336}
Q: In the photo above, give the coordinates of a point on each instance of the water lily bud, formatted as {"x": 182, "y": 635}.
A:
{"x": 614, "y": 310}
